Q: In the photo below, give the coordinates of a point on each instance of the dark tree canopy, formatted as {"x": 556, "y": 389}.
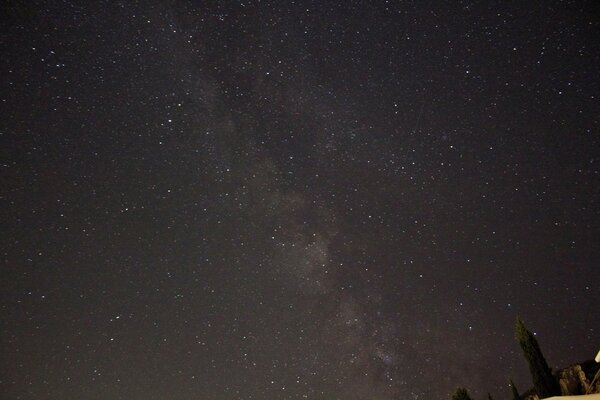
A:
{"x": 461, "y": 394}
{"x": 515, "y": 392}
{"x": 544, "y": 382}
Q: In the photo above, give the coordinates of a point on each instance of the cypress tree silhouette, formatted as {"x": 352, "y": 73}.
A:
{"x": 461, "y": 394}
{"x": 515, "y": 392}
{"x": 544, "y": 382}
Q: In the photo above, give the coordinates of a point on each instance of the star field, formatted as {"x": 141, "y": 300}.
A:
{"x": 295, "y": 200}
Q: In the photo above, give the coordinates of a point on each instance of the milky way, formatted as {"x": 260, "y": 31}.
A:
{"x": 295, "y": 200}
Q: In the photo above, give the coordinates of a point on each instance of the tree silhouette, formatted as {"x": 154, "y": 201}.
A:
{"x": 544, "y": 382}
{"x": 515, "y": 392}
{"x": 461, "y": 394}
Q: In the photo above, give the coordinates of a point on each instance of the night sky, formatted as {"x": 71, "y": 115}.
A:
{"x": 269, "y": 200}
